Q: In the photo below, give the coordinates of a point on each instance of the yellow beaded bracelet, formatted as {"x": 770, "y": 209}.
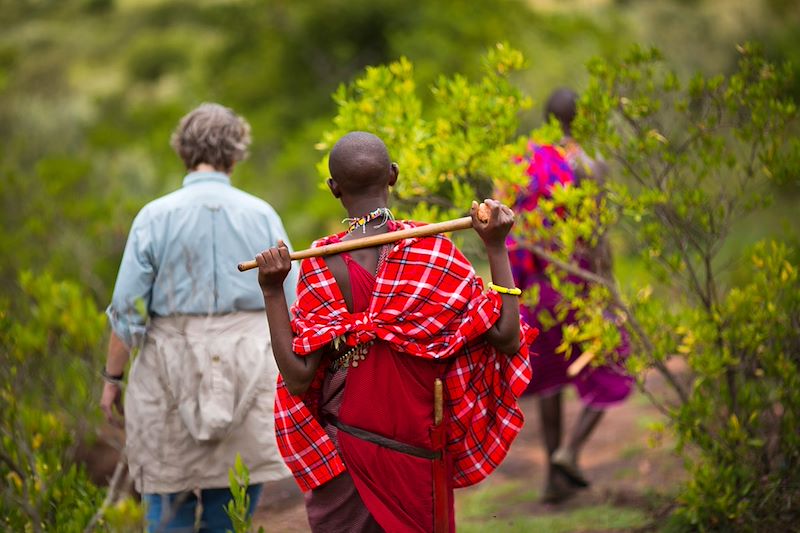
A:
{"x": 505, "y": 290}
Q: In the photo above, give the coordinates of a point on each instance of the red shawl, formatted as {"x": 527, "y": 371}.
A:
{"x": 427, "y": 302}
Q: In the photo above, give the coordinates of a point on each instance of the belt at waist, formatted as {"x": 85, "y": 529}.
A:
{"x": 385, "y": 442}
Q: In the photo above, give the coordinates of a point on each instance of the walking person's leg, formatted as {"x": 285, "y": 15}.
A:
{"x": 565, "y": 459}
{"x": 599, "y": 388}
{"x": 550, "y": 409}
{"x": 556, "y": 487}
{"x": 170, "y": 513}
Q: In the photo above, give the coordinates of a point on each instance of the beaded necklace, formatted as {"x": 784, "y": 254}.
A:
{"x": 362, "y": 221}
{"x": 359, "y": 352}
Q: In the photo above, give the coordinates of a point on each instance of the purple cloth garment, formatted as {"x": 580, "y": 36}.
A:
{"x": 598, "y": 387}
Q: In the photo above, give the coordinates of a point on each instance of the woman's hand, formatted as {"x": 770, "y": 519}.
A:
{"x": 274, "y": 265}
{"x": 111, "y": 404}
{"x": 493, "y": 231}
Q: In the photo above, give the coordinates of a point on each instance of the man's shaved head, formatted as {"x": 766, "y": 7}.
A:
{"x": 562, "y": 105}
{"x": 360, "y": 161}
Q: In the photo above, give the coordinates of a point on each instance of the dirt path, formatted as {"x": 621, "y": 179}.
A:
{"x": 625, "y": 471}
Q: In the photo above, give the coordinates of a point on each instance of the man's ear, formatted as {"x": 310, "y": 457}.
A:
{"x": 395, "y": 172}
{"x": 334, "y": 187}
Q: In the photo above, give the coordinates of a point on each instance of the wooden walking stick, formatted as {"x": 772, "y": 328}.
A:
{"x": 580, "y": 363}
{"x": 384, "y": 238}
{"x": 441, "y": 498}
{"x": 438, "y": 401}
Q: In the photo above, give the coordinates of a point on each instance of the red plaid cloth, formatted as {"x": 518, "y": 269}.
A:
{"x": 427, "y": 302}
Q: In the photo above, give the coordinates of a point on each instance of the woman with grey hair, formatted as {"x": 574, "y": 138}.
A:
{"x": 201, "y": 387}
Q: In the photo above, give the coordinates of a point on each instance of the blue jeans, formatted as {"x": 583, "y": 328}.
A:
{"x": 175, "y": 512}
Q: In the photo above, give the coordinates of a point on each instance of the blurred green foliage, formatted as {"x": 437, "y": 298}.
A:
{"x": 50, "y": 341}
{"x": 93, "y": 89}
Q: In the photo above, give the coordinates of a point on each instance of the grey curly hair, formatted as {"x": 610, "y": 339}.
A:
{"x": 211, "y": 134}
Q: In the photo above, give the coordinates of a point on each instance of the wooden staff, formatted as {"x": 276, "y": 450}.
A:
{"x": 383, "y": 238}
{"x": 580, "y": 363}
{"x": 438, "y": 401}
{"x": 441, "y": 503}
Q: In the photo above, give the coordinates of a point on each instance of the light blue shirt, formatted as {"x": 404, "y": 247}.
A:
{"x": 182, "y": 252}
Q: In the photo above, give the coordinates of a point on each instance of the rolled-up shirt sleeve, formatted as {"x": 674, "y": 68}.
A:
{"x": 130, "y": 303}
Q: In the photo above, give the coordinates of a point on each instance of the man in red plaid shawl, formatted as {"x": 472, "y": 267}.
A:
{"x": 372, "y": 331}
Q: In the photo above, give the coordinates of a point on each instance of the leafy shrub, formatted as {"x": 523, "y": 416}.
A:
{"x": 696, "y": 158}
{"x": 239, "y": 505}
{"x": 452, "y": 153}
{"x": 50, "y": 344}
{"x": 742, "y": 412}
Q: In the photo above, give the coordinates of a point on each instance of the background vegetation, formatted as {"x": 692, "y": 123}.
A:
{"x": 91, "y": 89}
{"x": 691, "y": 158}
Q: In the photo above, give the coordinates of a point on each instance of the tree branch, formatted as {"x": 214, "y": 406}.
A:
{"x": 618, "y": 303}
{"x": 11, "y": 464}
{"x": 30, "y": 510}
{"x": 114, "y": 487}
{"x": 670, "y": 224}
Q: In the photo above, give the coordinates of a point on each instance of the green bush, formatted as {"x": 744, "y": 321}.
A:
{"x": 239, "y": 505}
{"x": 50, "y": 344}
{"x": 452, "y": 151}
{"x": 743, "y": 413}
{"x": 695, "y": 159}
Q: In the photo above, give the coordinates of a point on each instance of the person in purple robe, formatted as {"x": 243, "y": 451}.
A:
{"x": 599, "y": 387}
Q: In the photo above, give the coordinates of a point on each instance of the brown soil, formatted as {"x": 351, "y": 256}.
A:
{"x": 624, "y": 467}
